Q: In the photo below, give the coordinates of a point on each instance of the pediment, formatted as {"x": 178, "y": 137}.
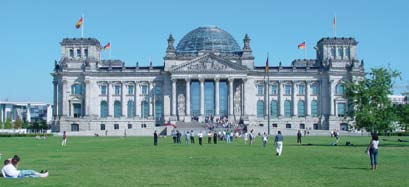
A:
{"x": 209, "y": 63}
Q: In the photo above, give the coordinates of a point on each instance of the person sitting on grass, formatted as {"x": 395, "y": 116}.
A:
{"x": 10, "y": 170}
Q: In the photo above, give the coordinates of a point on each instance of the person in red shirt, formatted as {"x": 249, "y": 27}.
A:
{"x": 64, "y": 139}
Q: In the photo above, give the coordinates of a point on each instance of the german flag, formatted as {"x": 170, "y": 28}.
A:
{"x": 79, "y": 23}
{"x": 266, "y": 70}
{"x": 301, "y": 45}
{"x": 107, "y": 46}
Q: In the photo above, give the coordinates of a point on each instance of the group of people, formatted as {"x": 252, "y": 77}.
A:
{"x": 10, "y": 170}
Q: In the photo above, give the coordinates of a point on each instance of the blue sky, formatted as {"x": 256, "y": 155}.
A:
{"x": 31, "y": 31}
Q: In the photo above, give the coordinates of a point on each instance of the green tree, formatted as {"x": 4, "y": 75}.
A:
{"x": 26, "y": 125}
{"x": 8, "y": 124}
{"x": 402, "y": 113}
{"x": 1, "y": 125}
{"x": 369, "y": 100}
{"x": 18, "y": 123}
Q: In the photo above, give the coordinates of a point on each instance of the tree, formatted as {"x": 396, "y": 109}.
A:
{"x": 402, "y": 113}
{"x": 18, "y": 123}
{"x": 8, "y": 124}
{"x": 1, "y": 125}
{"x": 26, "y": 125}
{"x": 369, "y": 100}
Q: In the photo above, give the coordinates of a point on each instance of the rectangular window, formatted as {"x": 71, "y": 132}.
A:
{"x": 274, "y": 90}
{"x": 79, "y": 53}
{"x": 341, "y": 109}
{"x": 131, "y": 89}
{"x": 72, "y": 53}
{"x": 116, "y": 126}
{"x": 144, "y": 89}
{"x": 260, "y": 89}
{"x": 274, "y": 125}
{"x": 117, "y": 90}
{"x": 314, "y": 89}
{"x": 287, "y": 89}
{"x": 288, "y": 126}
{"x": 103, "y": 89}
{"x": 157, "y": 90}
{"x": 102, "y": 127}
{"x": 86, "y": 53}
{"x": 302, "y": 126}
{"x": 301, "y": 89}
{"x": 129, "y": 126}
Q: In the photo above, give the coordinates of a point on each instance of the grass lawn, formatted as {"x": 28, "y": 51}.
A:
{"x": 134, "y": 161}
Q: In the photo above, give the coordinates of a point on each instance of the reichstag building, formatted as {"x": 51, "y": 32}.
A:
{"x": 208, "y": 75}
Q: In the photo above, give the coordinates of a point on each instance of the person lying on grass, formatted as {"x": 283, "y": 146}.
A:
{"x": 9, "y": 170}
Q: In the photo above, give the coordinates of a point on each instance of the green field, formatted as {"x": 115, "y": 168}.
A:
{"x": 134, "y": 161}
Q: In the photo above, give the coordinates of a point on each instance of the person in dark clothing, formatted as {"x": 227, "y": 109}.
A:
{"x": 192, "y": 137}
{"x": 155, "y": 138}
{"x": 215, "y": 137}
{"x": 299, "y": 137}
{"x": 178, "y": 134}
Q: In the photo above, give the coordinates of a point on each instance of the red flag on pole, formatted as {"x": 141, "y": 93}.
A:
{"x": 79, "y": 23}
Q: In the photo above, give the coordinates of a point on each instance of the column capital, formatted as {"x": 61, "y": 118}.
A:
{"x": 201, "y": 79}
{"x": 244, "y": 79}
{"x": 187, "y": 79}
{"x": 216, "y": 79}
{"x": 174, "y": 79}
{"x": 230, "y": 79}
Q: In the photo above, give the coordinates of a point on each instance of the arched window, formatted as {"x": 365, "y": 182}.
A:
{"x": 301, "y": 108}
{"x": 274, "y": 109}
{"x": 144, "y": 109}
{"x": 76, "y": 89}
{"x": 287, "y": 108}
{"x": 131, "y": 109}
{"x": 314, "y": 108}
{"x": 340, "y": 89}
{"x": 260, "y": 109}
{"x": 103, "y": 109}
{"x": 117, "y": 109}
{"x": 314, "y": 89}
{"x": 158, "y": 110}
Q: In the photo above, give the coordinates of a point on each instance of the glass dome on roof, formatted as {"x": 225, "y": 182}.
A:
{"x": 208, "y": 39}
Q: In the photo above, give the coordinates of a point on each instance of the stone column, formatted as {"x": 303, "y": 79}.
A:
{"x": 153, "y": 100}
{"x": 150, "y": 98}
{"x": 243, "y": 101}
{"x": 174, "y": 97}
{"x": 187, "y": 97}
{"x": 231, "y": 81}
{"x": 87, "y": 95}
{"x": 266, "y": 99}
{"x": 331, "y": 97}
{"x": 65, "y": 103}
{"x": 123, "y": 100}
{"x": 307, "y": 98}
{"x": 110, "y": 100}
{"x": 294, "y": 98}
{"x": 202, "y": 112}
{"x": 217, "y": 96}
{"x": 280, "y": 99}
{"x": 137, "y": 100}
{"x": 55, "y": 99}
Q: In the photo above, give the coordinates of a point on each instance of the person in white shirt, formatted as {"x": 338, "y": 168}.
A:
{"x": 373, "y": 151}
{"x": 264, "y": 139}
{"x": 200, "y": 135}
{"x": 10, "y": 170}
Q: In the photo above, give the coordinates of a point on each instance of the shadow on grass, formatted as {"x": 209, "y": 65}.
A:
{"x": 351, "y": 168}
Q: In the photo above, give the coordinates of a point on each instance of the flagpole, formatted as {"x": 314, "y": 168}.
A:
{"x": 268, "y": 97}
{"x": 110, "y": 48}
{"x": 305, "y": 50}
{"x": 334, "y": 25}
{"x": 82, "y": 26}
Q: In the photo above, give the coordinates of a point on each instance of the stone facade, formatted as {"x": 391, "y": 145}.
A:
{"x": 91, "y": 94}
